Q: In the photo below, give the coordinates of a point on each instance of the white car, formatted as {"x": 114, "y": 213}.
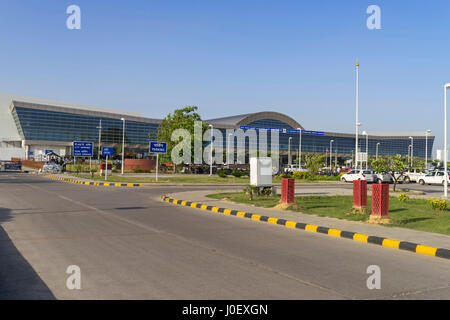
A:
{"x": 294, "y": 167}
{"x": 435, "y": 177}
{"x": 359, "y": 175}
{"x": 384, "y": 177}
{"x": 413, "y": 176}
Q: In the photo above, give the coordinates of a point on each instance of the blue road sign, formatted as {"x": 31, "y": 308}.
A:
{"x": 107, "y": 151}
{"x": 83, "y": 149}
{"x": 158, "y": 147}
{"x": 48, "y": 151}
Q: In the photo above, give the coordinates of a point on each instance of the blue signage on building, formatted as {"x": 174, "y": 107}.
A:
{"x": 107, "y": 151}
{"x": 83, "y": 149}
{"x": 48, "y": 151}
{"x": 284, "y": 130}
{"x": 158, "y": 147}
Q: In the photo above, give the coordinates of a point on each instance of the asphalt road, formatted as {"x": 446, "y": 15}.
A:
{"x": 130, "y": 245}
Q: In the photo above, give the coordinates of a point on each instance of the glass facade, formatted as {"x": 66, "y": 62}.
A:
{"x": 316, "y": 143}
{"x": 36, "y": 124}
{"x": 40, "y": 124}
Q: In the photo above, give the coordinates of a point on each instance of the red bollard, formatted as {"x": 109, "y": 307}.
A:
{"x": 360, "y": 195}
{"x": 287, "y": 190}
{"x": 380, "y": 203}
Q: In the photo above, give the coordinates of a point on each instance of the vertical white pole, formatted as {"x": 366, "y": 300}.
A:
{"x": 426, "y": 149}
{"x": 357, "y": 107}
{"x": 367, "y": 150}
{"x": 123, "y": 144}
{"x": 90, "y": 164}
{"x": 157, "y": 161}
{"x": 445, "y": 140}
{"x": 211, "y": 151}
{"x": 106, "y": 168}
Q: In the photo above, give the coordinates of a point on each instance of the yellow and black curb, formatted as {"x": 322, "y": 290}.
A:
{"x": 89, "y": 183}
{"x": 385, "y": 242}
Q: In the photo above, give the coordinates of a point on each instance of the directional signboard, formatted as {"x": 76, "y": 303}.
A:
{"x": 48, "y": 151}
{"x": 107, "y": 151}
{"x": 158, "y": 147}
{"x": 83, "y": 149}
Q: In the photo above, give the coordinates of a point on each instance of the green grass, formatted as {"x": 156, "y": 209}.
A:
{"x": 415, "y": 214}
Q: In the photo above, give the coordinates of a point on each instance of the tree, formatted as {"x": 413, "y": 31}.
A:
{"x": 183, "y": 118}
{"x": 379, "y": 165}
{"x": 314, "y": 163}
{"x": 397, "y": 167}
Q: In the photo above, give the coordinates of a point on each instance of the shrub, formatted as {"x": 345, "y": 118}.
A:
{"x": 438, "y": 204}
{"x": 301, "y": 174}
{"x": 222, "y": 173}
{"x": 403, "y": 197}
{"x": 237, "y": 173}
{"x": 286, "y": 175}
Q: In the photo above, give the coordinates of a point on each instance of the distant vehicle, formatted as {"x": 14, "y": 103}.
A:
{"x": 290, "y": 168}
{"x": 435, "y": 177}
{"x": 359, "y": 175}
{"x": 413, "y": 175}
{"x": 51, "y": 167}
{"x": 384, "y": 177}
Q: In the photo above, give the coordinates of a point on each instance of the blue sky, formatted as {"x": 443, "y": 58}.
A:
{"x": 231, "y": 57}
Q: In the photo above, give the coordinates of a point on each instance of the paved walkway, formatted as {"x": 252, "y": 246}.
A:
{"x": 421, "y": 237}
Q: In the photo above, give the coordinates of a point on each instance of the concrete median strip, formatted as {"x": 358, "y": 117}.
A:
{"x": 97, "y": 184}
{"x": 395, "y": 244}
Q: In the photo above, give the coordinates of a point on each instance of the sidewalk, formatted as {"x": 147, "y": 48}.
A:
{"x": 421, "y": 237}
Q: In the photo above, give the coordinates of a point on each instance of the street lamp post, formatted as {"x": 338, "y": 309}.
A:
{"x": 367, "y": 148}
{"x": 409, "y": 154}
{"x": 445, "y": 140}
{"x": 123, "y": 145}
{"x": 426, "y": 147}
{"x": 299, "y": 148}
{"x": 412, "y": 150}
{"x": 357, "y": 124}
{"x": 331, "y": 152}
{"x": 228, "y": 148}
{"x": 289, "y": 151}
{"x": 376, "y": 157}
{"x": 211, "y": 151}
{"x": 99, "y": 140}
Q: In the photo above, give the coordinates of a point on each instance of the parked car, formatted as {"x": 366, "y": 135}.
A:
{"x": 384, "y": 177}
{"x": 413, "y": 175}
{"x": 294, "y": 167}
{"x": 359, "y": 175}
{"x": 435, "y": 177}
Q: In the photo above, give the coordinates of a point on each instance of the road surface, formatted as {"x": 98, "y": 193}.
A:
{"x": 130, "y": 245}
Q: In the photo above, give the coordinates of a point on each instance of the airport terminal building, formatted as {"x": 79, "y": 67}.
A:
{"x": 32, "y": 127}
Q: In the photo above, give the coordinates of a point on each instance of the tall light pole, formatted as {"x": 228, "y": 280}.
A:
{"x": 426, "y": 147}
{"x": 123, "y": 145}
{"x": 445, "y": 140}
{"x": 299, "y": 148}
{"x": 228, "y": 149}
{"x": 409, "y": 155}
{"x": 211, "y": 151}
{"x": 357, "y": 124}
{"x": 412, "y": 150}
{"x": 331, "y": 152}
{"x": 367, "y": 148}
{"x": 289, "y": 151}
{"x": 377, "y": 151}
{"x": 99, "y": 139}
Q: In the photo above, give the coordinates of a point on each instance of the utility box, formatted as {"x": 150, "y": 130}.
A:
{"x": 261, "y": 172}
